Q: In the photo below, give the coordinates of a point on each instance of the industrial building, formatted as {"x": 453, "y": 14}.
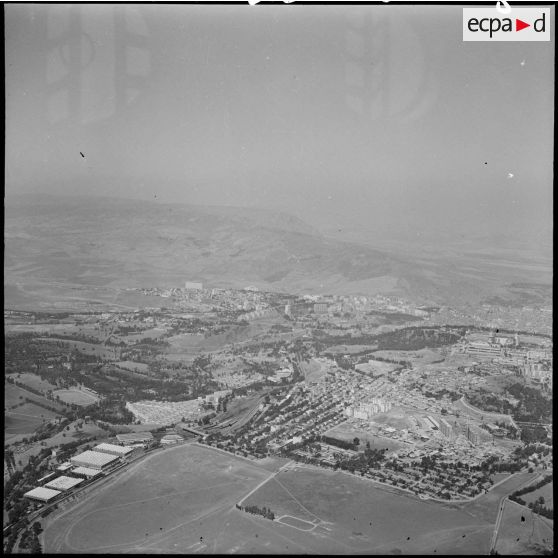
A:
{"x": 481, "y": 348}
{"x": 193, "y": 286}
{"x": 94, "y": 460}
{"x": 63, "y": 483}
{"x": 135, "y": 438}
{"x": 86, "y": 472}
{"x": 170, "y": 439}
{"x": 113, "y": 449}
{"x": 42, "y": 494}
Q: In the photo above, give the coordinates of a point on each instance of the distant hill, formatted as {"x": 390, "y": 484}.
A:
{"x": 112, "y": 242}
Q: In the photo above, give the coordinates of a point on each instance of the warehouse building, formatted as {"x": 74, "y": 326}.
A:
{"x": 113, "y": 449}
{"x": 86, "y": 472}
{"x": 94, "y": 460}
{"x": 135, "y": 438}
{"x": 42, "y": 494}
{"x": 170, "y": 439}
{"x": 63, "y": 483}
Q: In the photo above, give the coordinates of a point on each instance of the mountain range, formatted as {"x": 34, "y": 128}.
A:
{"x": 119, "y": 243}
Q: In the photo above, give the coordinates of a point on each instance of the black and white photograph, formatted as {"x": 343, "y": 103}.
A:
{"x": 278, "y": 278}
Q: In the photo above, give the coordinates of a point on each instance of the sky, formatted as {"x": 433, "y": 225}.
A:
{"x": 368, "y": 122}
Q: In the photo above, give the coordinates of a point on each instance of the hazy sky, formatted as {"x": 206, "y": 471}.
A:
{"x": 361, "y": 120}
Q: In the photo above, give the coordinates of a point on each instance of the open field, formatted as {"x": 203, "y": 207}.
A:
{"x": 87, "y": 348}
{"x": 24, "y": 420}
{"x": 355, "y": 515}
{"x": 545, "y": 491}
{"x": 349, "y": 349}
{"x": 486, "y": 507}
{"x": 465, "y": 408}
{"x": 419, "y": 357}
{"x": 79, "y": 397}
{"x": 523, "y": 532}
{"x": 313, "y": 370}
{"x": 14, "y": 395}
{"x": 187, "y": 343}
{"x": 130, "y": 365}
{"x": 348, "y": 432}
{"x": 163, "y": 503}
{"x": 32, "y": 380}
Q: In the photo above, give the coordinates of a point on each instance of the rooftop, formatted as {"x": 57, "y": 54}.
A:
{"x": 113, "y": 448}
{"x": 63, "y": 483}
{"x": 86, "y": 471}
{"x": 41, "y": 493}
{"x": 134, "y": 437}
{"x": 94, "y": 457}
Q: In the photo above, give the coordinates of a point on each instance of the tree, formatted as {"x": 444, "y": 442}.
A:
{"x": 356, "y": 441}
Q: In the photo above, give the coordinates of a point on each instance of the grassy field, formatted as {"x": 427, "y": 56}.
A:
{"x": 523, "y": 532}
{"x": 356, "y": 516}
{"x": 130, "y": 365}
{"x": 86, "y": 348}
{"x": 157, "y": 504}
{"x": 22, "y": 417}
{"x": 33, "y": 381}
{"x": 346, "y": 431}
{"x": 76, "y": 396}
{"x": 182, "y": 500}
{"x": 545, "y": 491}
{"x": 24, "y": 420}
{"x": 313, "y": 370}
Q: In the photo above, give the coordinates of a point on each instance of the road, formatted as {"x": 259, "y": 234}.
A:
{"x": 283, "y": 468}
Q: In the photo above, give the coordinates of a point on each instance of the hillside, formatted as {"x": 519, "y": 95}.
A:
{"x": 71, "y": 242}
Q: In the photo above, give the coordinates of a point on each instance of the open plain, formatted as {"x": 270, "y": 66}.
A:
{"x": 182, "y": 500}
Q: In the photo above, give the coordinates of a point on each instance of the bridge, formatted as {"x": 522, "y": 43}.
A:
{"x": 193, "y": 430}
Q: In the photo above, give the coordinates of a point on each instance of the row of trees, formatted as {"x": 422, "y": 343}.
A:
{"x": 264, "y": 512}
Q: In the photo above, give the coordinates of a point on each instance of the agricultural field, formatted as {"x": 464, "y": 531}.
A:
{"x": 92, "y": 349}
{"x": 33, "y": 381}
{"x": 20, "y": 416}
{"x": 354, "y": 515}
{"x": 523, "y": 532}
{"x": 76, "y": 396}
{"x": 14, "y": 395}
{"x": 24, "y": 420}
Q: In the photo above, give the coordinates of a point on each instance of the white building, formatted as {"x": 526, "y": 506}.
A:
{"x": 94, "y": 460}
{"x": 63, "y": 483}
{"x": 113, "y": 449}
{"x": 42, "y": 494}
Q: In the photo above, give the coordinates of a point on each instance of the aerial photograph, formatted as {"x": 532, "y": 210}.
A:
{"x": 277, "y": 280}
